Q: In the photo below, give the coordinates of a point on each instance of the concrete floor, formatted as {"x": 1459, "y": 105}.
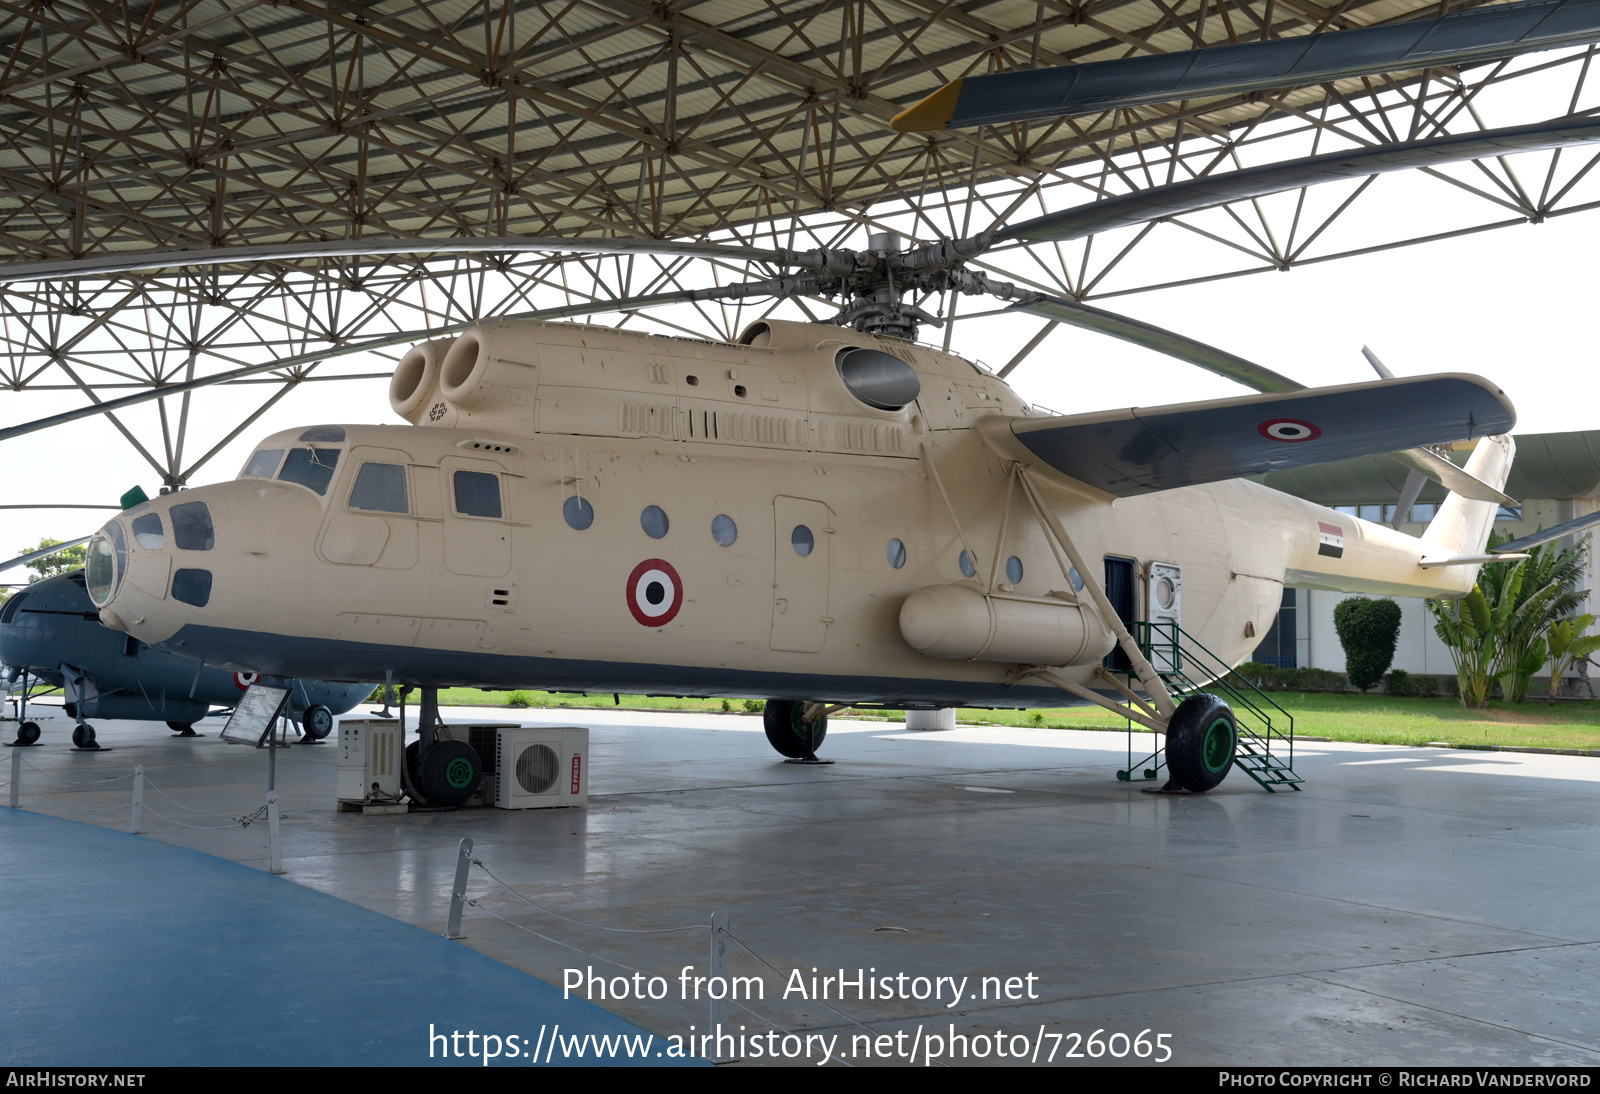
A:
{"x": 1411, "y": 906}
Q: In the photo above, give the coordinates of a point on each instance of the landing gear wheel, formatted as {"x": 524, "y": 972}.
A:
{"x": 317, "y": 721}
{"x": 450, "y": 772}
{"x": 409, "y": 779}
{"x": 27, "y": 733}
{"x": 1201, "y": 740}
{"x": 83, "y": 737}
{"x": 183, "y": 729}
{"x": 787, "y": 731}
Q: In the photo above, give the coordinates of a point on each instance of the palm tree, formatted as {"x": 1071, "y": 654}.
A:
{"x": 1545, "y": 591}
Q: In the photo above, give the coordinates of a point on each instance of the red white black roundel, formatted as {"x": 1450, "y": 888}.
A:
{"x": 655, "y": 592}
{"x": 243, "y": 680}
{"x": 1291, "y": 430}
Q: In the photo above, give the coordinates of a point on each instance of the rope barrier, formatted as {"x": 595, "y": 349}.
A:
{"x": 579, "y": 922}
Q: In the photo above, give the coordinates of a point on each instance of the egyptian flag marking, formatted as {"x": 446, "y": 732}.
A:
{"x": 1332, "y": 541}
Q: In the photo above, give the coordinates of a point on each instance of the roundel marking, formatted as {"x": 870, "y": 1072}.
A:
{"x": 655, "y": 592}
{"x": 243, "y": 680}
{"x": 1291, "y": 430}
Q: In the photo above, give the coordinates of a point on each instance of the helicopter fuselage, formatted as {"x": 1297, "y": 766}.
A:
{"x": 578, "y": 508}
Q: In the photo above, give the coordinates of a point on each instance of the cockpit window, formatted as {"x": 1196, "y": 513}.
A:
{"x": 191, "y": 527}
{"x": 477, "y": 494}
{"x": 380, "y": 488}
{"x": 327, "y": 434}
{"x": 310, "y": 467}
{"x": 263, "y": 465}
{"x": 148, "y": 533}
{"x": 9, "y": 612}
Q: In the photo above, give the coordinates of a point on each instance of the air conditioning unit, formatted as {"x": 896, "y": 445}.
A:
{"x": 537, "y": 767}
{"x": 369, "y": 760}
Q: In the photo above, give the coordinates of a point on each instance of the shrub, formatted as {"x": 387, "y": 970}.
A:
{"x": 1398, "y": 682}
{"x": 519, "y": 699}
{"x": 726, "y": 705}
{"x": 755, "y": 706}
{"x": 1368, "y": 630}
{"x": 1272, "y": 678}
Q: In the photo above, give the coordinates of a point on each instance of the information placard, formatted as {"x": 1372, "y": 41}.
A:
{"x": 254, "y": 716}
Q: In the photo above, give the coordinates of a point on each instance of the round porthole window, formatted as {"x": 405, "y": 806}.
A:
{"x": 578, "y": 513}
{"x": 654, "y": 521}
{"x": 802, "y": 540}
{"x": 1166, "y": 593}
{"x": 1013, "y": 569}
{"x": 897, "y": 553}
{"x": 723, "y": 530}
{"x": 968, "y": 567}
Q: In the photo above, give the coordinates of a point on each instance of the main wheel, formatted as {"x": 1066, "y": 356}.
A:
{"x": 317, "y": 721}
{"x": 787, "y": 731}
{"x": 1201, "y": 740}
{"x": 183, "y": 729}
{"x": 450, "y": 772}
{"x": 83, "y": 737}
{"x": 27, "y": 733}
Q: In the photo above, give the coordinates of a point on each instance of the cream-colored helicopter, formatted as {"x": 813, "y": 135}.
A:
{"x": 817, "y": 514}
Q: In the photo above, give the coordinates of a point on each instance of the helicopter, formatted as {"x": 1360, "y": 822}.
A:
{"x": 815, "y": 514}
{"x": 51, "y": 633}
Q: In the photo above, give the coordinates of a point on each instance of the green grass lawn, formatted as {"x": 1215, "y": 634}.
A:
{"x": 1370, "y": 719}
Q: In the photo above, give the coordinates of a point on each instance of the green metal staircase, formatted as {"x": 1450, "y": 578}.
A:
{"x": 1266, "y": 731}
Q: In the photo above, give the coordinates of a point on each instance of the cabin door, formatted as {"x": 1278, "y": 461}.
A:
{"x": 800, "y": 576}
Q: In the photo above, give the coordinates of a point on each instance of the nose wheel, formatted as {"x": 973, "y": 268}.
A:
{"x": 83, "y": 738}
{"x": 27, "y": 734}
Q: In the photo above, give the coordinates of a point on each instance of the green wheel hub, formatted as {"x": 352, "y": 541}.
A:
{"x": 458, "y": 773}
{"x": 1217, "y": 749}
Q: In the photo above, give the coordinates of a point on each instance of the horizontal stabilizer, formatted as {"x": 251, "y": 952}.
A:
{"x": 1142, "y": 450}
{"x": 1545, "y": 535}
{"x": 1469, "y": 560}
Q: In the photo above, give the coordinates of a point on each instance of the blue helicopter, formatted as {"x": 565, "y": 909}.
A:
{"x": 50, "y": 633}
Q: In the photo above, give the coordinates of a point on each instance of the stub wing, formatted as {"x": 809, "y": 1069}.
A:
{"x": 1139, "y": 451}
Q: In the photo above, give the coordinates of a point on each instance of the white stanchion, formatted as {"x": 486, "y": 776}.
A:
{"x": 274, "y": 849}
{"x": 719, "y": 968}
{"x": 138, "y": 799}
{"x": 16, "y": 777}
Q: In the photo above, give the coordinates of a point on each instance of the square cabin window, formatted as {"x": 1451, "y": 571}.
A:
{"x": 380, "y": 488}
{"x": 310, "y": 467}
{"x": 477, "y": 494}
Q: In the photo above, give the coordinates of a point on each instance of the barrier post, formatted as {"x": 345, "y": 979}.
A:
{"x": 458, "y": 890}
{"x": 138, "y": 799}
{"x": 16, "y": 777}
{"x": 274, "y": 850}
{"x": 719, "y": 967}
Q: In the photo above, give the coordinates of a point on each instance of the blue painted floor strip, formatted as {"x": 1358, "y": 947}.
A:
{"x": 121, "y": 951}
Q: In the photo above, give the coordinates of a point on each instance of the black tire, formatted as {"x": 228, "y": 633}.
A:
{"x": 28, "y": 733}
{"x": 1201, "y": 741}
{"x": 409, "y": 776}
{"x": 317, "y": 721}
{"x": 450, "y": 772}
{"x": 83, "y": 737}
{"x": 185, "y": 728}
{"x": 788, "y": 734}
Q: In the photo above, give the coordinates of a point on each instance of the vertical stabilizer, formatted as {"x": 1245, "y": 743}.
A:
{"x": 1462, "y": 525}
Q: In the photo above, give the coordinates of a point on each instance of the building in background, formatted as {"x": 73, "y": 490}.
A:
{"x": 1556, "y": 477}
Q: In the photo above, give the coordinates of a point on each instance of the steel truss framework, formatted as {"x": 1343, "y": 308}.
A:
{"x": 200, "y": 123}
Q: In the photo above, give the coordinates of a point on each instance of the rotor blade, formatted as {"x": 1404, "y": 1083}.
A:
{"x": 1505, "y": 30}
{"x": 1415, "y": 481}
{"x": 1193, "y": 195}
{"x": 1377, "y": 366}
{"x": 1157, "y": 338}
{"x": 781, "y": 286}
{"x": 103, "y": 265}
{"x": 23, "y": 560}
{"x": 1431, "y": 465}
{"x": 1534, "y": 539}
{"x": 60, "y": 505}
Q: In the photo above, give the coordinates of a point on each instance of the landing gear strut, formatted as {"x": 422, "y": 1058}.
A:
{"x": 439, "y": 772}
{"x": 796, "y": 729}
